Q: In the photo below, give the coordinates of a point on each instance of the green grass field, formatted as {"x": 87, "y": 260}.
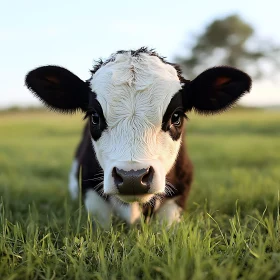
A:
{"x": 230, "y": 231}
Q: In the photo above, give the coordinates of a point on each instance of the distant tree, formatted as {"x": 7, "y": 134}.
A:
{"x": 231, "y": 41}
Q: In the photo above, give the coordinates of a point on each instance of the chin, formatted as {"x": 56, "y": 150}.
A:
{"x": 136, "y": 198}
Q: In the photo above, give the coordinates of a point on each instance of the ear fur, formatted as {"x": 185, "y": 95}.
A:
{"x": 215, "y": 90}
{"x": 58, "y": 88}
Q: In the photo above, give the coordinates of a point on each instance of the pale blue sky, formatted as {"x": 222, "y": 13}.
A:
{"x": 74, "y": 33}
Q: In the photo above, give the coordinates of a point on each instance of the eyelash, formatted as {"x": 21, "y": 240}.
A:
{"x": 181, "y": 113}
{"x": 88, "y": 113}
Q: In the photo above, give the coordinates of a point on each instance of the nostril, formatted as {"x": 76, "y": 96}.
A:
{"x": 117, "y": 178}
{"x": 148, "y": 177}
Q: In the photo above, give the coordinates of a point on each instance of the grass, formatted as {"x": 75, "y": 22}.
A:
{"x": 230, "y": 231}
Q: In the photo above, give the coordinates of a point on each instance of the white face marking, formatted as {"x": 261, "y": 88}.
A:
{"x": 134, "y": 93}
{"x": 100, "y": 209}
{"x": 131, "y": 213}
{"x": 169, "y": 212}
{"x": 73, "y": 184}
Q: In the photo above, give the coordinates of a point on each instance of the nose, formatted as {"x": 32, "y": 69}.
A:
{"x": 133, "y": 182}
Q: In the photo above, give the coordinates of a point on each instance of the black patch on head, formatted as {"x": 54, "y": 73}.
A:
{"x": 93, "y": 110}
{"x": 135, "y": 53}
{"x": 175, "y": 106}
{"x": 176, "y": 102}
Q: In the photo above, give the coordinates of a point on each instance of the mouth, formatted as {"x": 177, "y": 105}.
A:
{"x": 136, "y": 198}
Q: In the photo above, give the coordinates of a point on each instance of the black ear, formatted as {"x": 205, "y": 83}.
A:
{"x": 215, "y": 90}
{"x": 58, "y": 88}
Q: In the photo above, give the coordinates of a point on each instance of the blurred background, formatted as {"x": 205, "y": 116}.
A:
{"x": 236, "y": 154}
{"x": 197, "y": 34}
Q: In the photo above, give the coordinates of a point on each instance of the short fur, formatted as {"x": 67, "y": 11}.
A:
{"x": 179, "y": 178}
{"x": 135, "y": 104}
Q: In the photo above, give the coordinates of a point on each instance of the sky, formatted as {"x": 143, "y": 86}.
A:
{"x": 73, "y": 34}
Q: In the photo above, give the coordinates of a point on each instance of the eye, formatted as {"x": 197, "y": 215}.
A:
{"x": 176, "y": 119}
{"x": 95, "y": 118}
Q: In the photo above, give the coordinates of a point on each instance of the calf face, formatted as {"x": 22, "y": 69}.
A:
{"x": 136, "y": 103}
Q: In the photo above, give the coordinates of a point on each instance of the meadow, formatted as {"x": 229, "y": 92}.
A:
{"x": 231, "y": 229}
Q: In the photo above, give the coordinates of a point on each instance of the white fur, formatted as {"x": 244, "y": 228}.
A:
{"x": 73, "y": 184}
{"x": 134, "y": 93}
{"x": 100, "y": 209}
{"x": 131, "y": 213}
{"x": 169, "y": 212}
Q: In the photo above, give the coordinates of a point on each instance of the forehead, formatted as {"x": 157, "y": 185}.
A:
{"x": 135, "y": 86}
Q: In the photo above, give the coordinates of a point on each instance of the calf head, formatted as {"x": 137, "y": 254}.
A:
{"x": 136, "y": 104}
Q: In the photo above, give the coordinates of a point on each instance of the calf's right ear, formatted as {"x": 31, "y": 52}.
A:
{"x": 58, "y": 88}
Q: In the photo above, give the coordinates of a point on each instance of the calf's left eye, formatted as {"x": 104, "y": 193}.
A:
{"x": 176, "y": 119}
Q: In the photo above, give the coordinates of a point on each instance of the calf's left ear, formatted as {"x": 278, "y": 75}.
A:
{"x": 215, "y": 90}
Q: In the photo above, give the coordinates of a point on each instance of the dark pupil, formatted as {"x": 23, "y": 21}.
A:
{"x": 95, "y": 118}
{"x": 175, "y": 119}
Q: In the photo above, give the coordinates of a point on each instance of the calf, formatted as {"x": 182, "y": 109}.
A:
{"x": 132, "y": 157}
